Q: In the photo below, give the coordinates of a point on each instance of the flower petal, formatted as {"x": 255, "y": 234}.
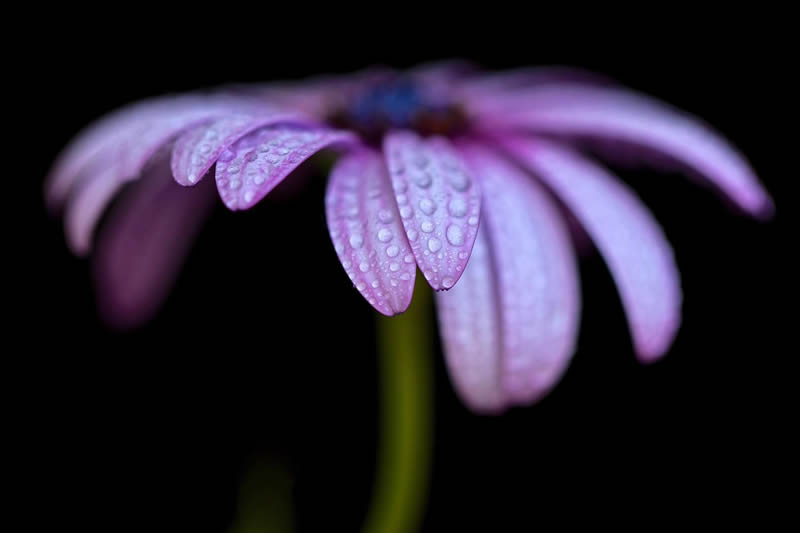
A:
{"x": 259, "y": 161}
{"x": 130, "y": 136}
{"x": 469, "y": 322}
{"x": 537, "y": 278}
{"x": 576, "y": 110}
{"x": 638, "y": 255}
{"x": 367, "y": 233}
{"x": 198, "y": 149}
{"x": 144, "y": 243}
{"x": 439, "y": 204}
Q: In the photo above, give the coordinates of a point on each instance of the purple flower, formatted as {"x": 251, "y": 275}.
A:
{"x": 467, "y": 177}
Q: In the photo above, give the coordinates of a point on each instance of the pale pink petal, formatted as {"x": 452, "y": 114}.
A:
{"x": 638, "y": 255}
{"x": 535, "y": 274}
{"x": 439, "y": 204}
{"x": 144, "y": 243}
{"x": 83, "y": 213}
{"x": 469, "y": 321}
{"x": 132, "y": 135}
{"x": 618, "y": 114}
{"x": 259, "y": 161}
{"x": 367, "y": 233}
{"x": 197, "y": 149}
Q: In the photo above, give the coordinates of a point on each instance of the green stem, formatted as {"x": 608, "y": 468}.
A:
{"x": 404, "y": 454}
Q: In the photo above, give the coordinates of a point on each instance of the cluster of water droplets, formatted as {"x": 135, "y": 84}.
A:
{"x": 256, "y": 163}
{"x": 367, "y": 234}
{"x": 438, "y": 205}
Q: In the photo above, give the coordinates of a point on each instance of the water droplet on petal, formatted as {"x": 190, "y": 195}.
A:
{"x": 394, "y": 267}
{"x": 473, "y": 221}
{"x": 356, "y": 240}
{"x": 363, "y": 266}
{"x": 455, "y": 235}
{"x": 434, "y": 244}
{"x": 427, "y": 206}
{"x": 457, "y": 207}
{"x": 423, "y": 180}
{"x": 427, "y": 226}
{"x": 460, "y": 181}
{"x": 361, "y": 286}
{"x": 384, "y": 235}
{"x": 448, "y": 282}
{"x": 412, "y": 235}
{"x": 375, "y": 284}
{"x": 227, "y": 155}
{"x": 393, "y": 250}
{"x": 406, "y": 211}
{"x": 409, "y": 259}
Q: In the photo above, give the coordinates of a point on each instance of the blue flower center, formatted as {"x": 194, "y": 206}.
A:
{"x": 399, "y": 104}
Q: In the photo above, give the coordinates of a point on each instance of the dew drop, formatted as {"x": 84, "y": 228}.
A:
{"x": 402, "y": 199}
{"x": 409, "y": 259}
{"x": 434, "y": 244}
{"x": 423, "y": 180}
{"x": 394, "y": 267}
{"x": 227, "y": 155}
{"x": 406, "y": 211}
{"x": 427, "y": 226}
{"x": 448, "y": 282}
{"x": 393, "y": 250}
{"x": 412, "y": 235}
{"x": 473, "y": 221}
{"x": 361, "y": 286}
{"x": 427, "y": 206}
{"x": 235, "y": 184}
{"x": 233, "y": 169}
{"x": 347, "y": 264}
{"x": 384, "y": 235}
{"x": 457, "y": 207}
{"x": 375, "y": 284}
{"x": 405, "y": 276}
{"x": 356, "y": 240}
{"x": 258, "y": 180}
{"x": 455, "y": 235}
{"x": 460, "y": 181}
{"x": 363, "y": 266}
{"x": 463, "y": 255}
{"x": 248, "y": 196}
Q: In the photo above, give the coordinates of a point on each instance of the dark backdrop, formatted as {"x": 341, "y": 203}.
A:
{"x": 154, "y": 429}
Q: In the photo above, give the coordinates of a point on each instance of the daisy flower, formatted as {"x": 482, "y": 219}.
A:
{"x": 467, "y": 177}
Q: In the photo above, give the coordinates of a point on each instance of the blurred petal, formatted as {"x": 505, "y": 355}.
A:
{"x": 367, "y": 233}
{"x": 614, "y": 113}
{"x": 144, "y": 243}
{"x": 259, "y": 161}
{"x": 128, "y": 138}
{"x": 638, "y": 255}
{"x": 198, "y": 149}
{"x": 470, "y": 327}
{"x": 439, "y": 204}
{"x": 535, "y": 282}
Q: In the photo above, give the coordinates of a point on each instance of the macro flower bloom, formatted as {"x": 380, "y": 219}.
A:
{"x": 467, "y": 177}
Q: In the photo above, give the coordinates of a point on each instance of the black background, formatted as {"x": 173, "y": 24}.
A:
{"x": 153, "y": 429}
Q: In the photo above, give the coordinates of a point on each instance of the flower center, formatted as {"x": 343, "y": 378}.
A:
{"x": 399, "y": 104}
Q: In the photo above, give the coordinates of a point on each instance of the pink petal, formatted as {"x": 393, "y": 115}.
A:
{"x": 536, "y": 275}
{"x": 198, "y": 149}
{"x": 510, "y": 324}
{"x": 259, "y": 161}
{"x": 144, "y": 243}
{"x": 575, "y": 110}
{"x": 470, "y": 327}
{"x": 439, "y": 204}
{"x": 131, "y": 135}
{"x": 367, "y": 233}
{"x": 638, "y": 255}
